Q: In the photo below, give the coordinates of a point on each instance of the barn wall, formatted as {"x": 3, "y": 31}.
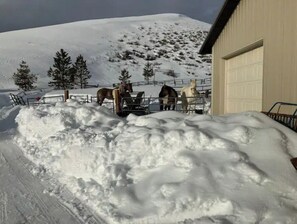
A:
{"x": 273, "y": 24}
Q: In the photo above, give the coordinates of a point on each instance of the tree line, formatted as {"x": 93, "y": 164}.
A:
{"x": 66, "y": 75}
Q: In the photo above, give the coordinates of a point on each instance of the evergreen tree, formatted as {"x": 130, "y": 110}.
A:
{"x": 62, "y": 71}
{"x": 124, "y": 75}
{"x": 81, "y": 72}
{"x": 148, "y": 71}
{"x": 23, "y": 77}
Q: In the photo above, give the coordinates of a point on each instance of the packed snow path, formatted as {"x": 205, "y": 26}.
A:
{"x": 22, "y": 197}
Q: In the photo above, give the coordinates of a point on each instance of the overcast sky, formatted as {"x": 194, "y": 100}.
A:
{"x": 21, "y": 14}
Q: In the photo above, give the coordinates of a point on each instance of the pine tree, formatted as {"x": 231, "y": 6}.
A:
{"x": 124, "y": 77}
{"x": 62, "y": 73}
{"x": 148, "y": 71}
{"x": 81, "y": 72}
{"x": 23, "y": 78}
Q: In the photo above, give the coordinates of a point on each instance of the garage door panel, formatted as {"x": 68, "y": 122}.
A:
{"x": 244, "y": 82}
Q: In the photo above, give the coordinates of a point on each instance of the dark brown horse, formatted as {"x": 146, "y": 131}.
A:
{"x": 109, "y": 93}
{"x": 167, "y": 97}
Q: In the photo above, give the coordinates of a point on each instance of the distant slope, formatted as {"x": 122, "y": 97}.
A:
{"x": 170, "y": 41}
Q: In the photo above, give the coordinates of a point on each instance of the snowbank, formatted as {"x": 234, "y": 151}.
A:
{"x": 166, "y": 167}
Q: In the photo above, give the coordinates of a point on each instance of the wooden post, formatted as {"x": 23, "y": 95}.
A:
{"x": 66, "y": 95}
{"x": 117, "y": 101}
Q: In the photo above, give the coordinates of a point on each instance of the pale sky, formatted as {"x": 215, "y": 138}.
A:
{"x": 21, "y": 14}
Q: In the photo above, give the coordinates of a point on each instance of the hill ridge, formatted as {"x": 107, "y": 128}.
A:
{"x": 170, "y": 41}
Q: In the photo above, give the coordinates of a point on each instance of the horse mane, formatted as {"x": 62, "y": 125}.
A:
{"x": 166, "y": 90}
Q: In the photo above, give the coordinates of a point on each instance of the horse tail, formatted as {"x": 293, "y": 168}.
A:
{"x": 98, "y": 95}
{"x": 175, "y": 99}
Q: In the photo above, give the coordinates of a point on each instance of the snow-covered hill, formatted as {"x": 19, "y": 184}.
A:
{"x": 169, "y": 41}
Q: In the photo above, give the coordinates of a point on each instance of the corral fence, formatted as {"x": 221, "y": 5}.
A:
{"x": 17, "y": 99}
{"x": 141, "y": 105}
{"x": 138, "y": 104}
{"x": 202, "y": 84}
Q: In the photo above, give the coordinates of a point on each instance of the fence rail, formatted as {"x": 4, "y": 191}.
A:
{"x": 147, "y": 104}
{"x": 151, "y": 105}
{"x": 174, "y": 82}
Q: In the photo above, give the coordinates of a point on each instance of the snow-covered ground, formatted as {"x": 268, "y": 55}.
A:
{"x": 166, "y": 167}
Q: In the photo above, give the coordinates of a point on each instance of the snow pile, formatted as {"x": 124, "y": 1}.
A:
{"x": 166, "y": 167}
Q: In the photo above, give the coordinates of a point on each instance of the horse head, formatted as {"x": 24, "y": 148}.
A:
{"x": 124, "y": 87}
{"x": 128, "y": 87}
{"x": 193, "y": 83}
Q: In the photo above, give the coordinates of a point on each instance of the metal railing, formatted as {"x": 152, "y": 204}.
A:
{"x": 149, "y": 105}
{"x": 289, "y": 120}
{"x": 202, "y": 84}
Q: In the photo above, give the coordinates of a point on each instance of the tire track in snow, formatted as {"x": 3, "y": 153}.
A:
{"x": 28, "y": 202}
{"x": 3, "y": 207}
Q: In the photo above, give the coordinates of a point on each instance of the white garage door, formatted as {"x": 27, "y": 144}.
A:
{"x": 244, "y": 82}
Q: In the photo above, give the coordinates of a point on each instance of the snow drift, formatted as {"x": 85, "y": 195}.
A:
{"x": 166, "y": 167}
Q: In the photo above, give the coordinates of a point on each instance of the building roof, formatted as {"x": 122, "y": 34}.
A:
{"x": 219, "y": 24}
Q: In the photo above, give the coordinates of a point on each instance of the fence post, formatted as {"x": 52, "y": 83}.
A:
{"x": 117, "y": 101}
{"x": 66, "y": 95}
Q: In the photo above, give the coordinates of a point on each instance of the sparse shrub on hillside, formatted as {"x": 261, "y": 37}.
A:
{"x": 82, "y": 73}
{"x": 150, "y": 57}
{"x": 146, "y": 47}
{"x": 181, "y": 57}
{"x": 176, "y": 46}
{"x": 162, "y": 52}
{"x": 62, "y": 73}
{"x": 148, "y": 71}
{"x": 176, "y": 59}
{"x": 125, "y": 55}
{"x": 138, "y": 54}
{"x": 23, "y": 78}
{"x": 125, "y": 76}
{"x": 172, "y": 42}
{"x": 111, "y": 59}
{"x": 171, "y": 73}
{"x": 163, "y": 41}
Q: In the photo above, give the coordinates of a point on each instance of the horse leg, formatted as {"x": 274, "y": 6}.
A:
{"x": 100, "y": 101}
{"x": 174, "y": 103}
{"x": 161, "y": 104}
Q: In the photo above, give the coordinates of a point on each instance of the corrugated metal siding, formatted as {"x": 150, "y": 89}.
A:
{"x": 274, "y": 22}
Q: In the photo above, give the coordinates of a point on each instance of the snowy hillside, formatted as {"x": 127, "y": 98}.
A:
{"x": 169, "y": 41}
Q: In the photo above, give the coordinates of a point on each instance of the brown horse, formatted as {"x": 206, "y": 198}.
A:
{"x": 168, "y": 97}
{"x": 108, "y": 93}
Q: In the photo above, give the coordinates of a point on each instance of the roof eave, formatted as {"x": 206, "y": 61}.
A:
{"x": 219, "y": 24}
